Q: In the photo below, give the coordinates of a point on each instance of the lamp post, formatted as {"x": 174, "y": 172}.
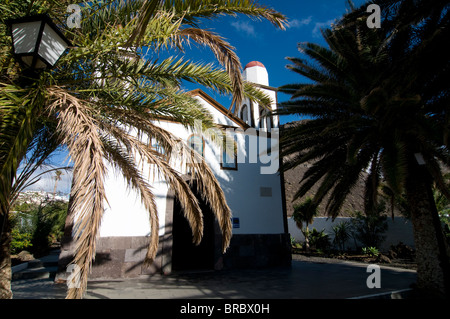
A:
{"x": 37, "y": 42}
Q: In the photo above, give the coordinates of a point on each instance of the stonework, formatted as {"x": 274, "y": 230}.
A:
{"x": 123, "y": 257}
{"x": 258, "y": 251}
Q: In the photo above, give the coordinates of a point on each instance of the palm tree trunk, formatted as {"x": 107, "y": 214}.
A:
{"x": 5, "y": 258}
{"x": 432, "y": 251}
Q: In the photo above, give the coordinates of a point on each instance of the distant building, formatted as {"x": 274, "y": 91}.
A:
{"x": 38, "y": 197}
{"x": 253, "y": 188}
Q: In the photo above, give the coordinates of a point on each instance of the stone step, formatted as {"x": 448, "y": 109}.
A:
{"x": 40, "y": 263}
{"x": 44, "y": 267}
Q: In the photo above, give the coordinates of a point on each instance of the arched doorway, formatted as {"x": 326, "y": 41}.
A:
{"x": 185, "y": 254}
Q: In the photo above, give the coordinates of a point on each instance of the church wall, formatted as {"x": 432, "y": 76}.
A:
{"x": 253, "y": 197}
{"x": 253, "y": 192}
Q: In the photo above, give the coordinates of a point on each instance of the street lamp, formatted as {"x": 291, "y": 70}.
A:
{"x": 37, "y": 41}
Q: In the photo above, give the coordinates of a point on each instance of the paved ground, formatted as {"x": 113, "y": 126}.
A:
{"x": 304, "y": 280}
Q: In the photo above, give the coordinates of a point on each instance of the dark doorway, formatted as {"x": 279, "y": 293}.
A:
{"x": 185, "y": 254}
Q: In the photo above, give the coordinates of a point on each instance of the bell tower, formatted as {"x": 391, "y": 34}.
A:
{"x": 256, "y": 72}
{"x": 252, "y": 113}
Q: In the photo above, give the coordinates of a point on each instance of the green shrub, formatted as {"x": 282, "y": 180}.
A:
{"x": 370, "y": 251}
{"x": 319, "y": 240}
{"x": 341, "y": 234}
{"x": 42, "y": 219}
{"x": 20, "y": 241}
{"x": 369, "y": 230}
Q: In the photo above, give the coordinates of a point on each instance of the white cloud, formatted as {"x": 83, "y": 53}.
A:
{"x": 320, "y": 25}
{"x": 244, "y": 27}
{"x": 46, "y": 181}
{"x": 296, "y": 23}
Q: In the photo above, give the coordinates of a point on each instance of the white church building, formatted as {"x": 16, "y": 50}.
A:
{"x": 252, "y": 185}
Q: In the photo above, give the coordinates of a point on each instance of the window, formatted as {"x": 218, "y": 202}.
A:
{"x": 265, "y": 121}
{"x": 262, "y": 118}
{"x": 229, "y": 156}
{"x": 244, "y": 113}
{"x": 157, "y": 146}
{"x": 251, "y": 121}
{"x": 196, "y": 143}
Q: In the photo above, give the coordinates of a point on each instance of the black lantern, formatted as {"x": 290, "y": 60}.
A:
{"x": 37, "y": 41}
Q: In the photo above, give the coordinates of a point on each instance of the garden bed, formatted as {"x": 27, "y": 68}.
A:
{"x": 400, "y": 256}
{"x": 405, "y": 263}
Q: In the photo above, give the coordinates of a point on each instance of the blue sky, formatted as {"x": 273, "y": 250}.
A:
{"x": 259, "y": 40}
{"x": 254, "y": 40}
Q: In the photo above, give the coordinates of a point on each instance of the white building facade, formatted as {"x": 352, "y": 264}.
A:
{"x": 253, "y": 188}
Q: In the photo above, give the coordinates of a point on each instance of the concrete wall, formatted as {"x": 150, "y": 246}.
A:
{"x": 399, "y": 230}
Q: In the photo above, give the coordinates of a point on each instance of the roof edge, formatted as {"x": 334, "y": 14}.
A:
{"x": 222, "y": 109}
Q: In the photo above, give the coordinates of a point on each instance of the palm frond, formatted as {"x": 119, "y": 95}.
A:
{"x": 224, "y": 53}
{"x": 80, "y": 133}
{"x": 19, "y": 118}
{"x": 210, "y": 189}
{"x": 121, "y": 159}
{"x": 39, "y": 151}
{"x": 187, "y": 199}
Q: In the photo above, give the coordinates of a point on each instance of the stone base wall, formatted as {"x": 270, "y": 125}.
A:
{"x": 118, "y": 257}
{"x": 123, "y": 257}
{"x": 258, "y": 251}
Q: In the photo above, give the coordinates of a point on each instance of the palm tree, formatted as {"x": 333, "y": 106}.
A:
{"x": 377, "y": 104}
{"x": 57, "y": 178}
{"x": 305, "y": 213}
{"x": 110, "y": 82}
